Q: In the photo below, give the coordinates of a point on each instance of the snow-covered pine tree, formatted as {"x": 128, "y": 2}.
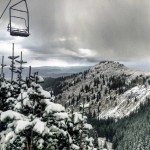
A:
{"x": 35, "y": 122}
{"x": 2, "y": 68}
{"x": 19, "y": 71}
{"x": 15, "y": 90}
{"x": 12, "y": 66}
{"x": 44, "y": 125}
{"x": 86, "y": 142}
{"x": 5, "y": 95}
{"x": 6, "y": 102}
{"x": 79, "y": 129}
{"x": 5, "y": 90}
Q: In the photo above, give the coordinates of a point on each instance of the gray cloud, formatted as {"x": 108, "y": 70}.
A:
{"x": 114, "y": 30}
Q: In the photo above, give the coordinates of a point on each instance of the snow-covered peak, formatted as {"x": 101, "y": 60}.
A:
{"x": 105, "y": 88}
{"x": 108, "y": 67}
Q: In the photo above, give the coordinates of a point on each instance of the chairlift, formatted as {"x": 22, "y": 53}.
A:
{"x": 15, "y": 31}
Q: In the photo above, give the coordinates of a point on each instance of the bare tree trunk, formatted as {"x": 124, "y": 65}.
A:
{"x": 27, "y": 144}
{"x": 30, "y": 141}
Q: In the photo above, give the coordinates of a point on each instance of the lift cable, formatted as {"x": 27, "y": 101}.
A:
{"x": 5, "y": 9}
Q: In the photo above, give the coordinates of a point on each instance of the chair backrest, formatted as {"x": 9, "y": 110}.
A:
{"x": 16, "y": 31}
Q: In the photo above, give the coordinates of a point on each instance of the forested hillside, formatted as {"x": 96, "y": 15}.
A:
{"x": 129, "y": 133}
{"x": 109, "y": 89}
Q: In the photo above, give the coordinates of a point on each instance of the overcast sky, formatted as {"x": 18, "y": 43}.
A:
{"x": 82, "y": 32}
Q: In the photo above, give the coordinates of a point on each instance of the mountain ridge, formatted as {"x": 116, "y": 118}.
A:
{"x": 109, "y": 88}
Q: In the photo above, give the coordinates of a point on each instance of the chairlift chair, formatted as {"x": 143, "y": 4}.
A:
{"x": 17, "y": 31}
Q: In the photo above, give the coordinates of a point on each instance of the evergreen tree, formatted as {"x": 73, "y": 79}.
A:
{"x": 33, "y": 121}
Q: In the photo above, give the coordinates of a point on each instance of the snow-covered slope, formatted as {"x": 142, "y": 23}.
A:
{"x": 127, "y": 102}
{"x": 109, "y": 89}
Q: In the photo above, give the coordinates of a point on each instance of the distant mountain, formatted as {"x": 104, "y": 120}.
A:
{"x": 50, "y": 71}
{"x": 109, "y": 89}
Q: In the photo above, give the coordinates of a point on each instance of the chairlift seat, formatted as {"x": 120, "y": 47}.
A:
{"x": 18, "y": 32}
